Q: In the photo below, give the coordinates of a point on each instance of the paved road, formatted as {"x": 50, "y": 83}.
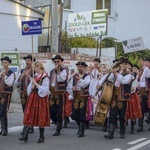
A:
{"x": 68, "y": 139}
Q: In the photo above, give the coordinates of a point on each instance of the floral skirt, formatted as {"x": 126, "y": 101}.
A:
{"x": 133, "y": 107}
{"x": 37, "y": 111}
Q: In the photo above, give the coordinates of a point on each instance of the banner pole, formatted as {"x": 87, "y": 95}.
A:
{"x": 32, "y": 55}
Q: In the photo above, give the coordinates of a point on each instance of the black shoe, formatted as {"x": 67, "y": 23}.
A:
{"x": 4, "y": 132}
{"x": 140, "y": 129}
{"x": 147, "y": 121}
{"x": 122, "y": 136}
{"x": 25, "y": 139}
{"x": 110, "y": 135}
{"x": 81, "y": 134}
{"x": 56, "y": 133}
{"x": 41, "y": 140}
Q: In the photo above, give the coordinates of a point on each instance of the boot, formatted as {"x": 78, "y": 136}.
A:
{"x": 82, "y": 129}
{"x": 25, "y": 136}
{"x": 140, "y": 124}
{"x": 41, "y": 139}
{"x": 58, "y": 128}
{"x": 148, "y": 119}
{"x": 105, "y": 125}
{"x": 31, "y": 130}
{"x": 140, "y": 129}
{"x": 132, "y": 127}
{"x": 110, "y": 134}
{"x": 22, "y": 133}
{"x": 65, "y": 122}
{"x": 122, "y": 131}
{"x": 5, "y": 125}
{"x": 1, "y": 126}
{"x": 78, "y": 123}
{"x": 87, "y": 124}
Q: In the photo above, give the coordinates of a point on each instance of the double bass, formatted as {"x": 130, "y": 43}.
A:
{"x": 103, "y": 105}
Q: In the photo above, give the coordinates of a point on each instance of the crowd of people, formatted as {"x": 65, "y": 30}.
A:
{"x": 53, "y": 97}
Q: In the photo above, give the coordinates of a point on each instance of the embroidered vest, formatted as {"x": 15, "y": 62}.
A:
{"x": 125, "y": 90}
{"x": 5, "y": 88}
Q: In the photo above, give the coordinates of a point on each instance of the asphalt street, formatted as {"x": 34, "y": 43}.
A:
{"x": 68, "y": 140}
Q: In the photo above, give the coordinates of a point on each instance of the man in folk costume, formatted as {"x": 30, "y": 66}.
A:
{"x": 96, "y": 68}
{"x": 58, "y": 83}
{"x": 143, "y": 93}
{"x": 22, "y": 81}
{"x": 147, "y": 78}
{"x": 122, "y": 89}
{"x": 6, "y": 86}
{"x": 80, "y": 84}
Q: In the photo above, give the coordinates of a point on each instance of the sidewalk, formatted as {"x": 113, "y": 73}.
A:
{"x": 15, "y": 107}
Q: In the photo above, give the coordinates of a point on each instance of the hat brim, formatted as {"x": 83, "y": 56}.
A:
{"x": 29, "y": 58}
{"x": 81, "y": 65}
{"x": 58, "y": 58}
{"x": 9, "y": 60}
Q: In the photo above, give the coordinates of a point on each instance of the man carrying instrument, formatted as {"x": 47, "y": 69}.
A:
{"x": 122, "y": 90}
{"x": 80, "y": 88}
{"x": 7, "y": 77}
{"x": 58, "y": 83}
{"x": 22, "y": 81}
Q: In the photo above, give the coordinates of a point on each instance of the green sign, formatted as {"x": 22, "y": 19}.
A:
{"x": 13, "y": 56}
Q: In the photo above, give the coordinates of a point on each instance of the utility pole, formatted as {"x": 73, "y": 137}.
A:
{"x": 54, "y": 44}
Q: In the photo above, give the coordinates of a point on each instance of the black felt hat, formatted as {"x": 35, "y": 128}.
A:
{"x": 116, "y": 60}
{"x": 57, "y": 57}
{"x": 81, "y": 63}
{"x": 29, "y": 57}
{"x": 147, "y": 59}
{"x": 136, "y": 66}
{"x": 97, "y": 59}
{"x": 7, "y": 59}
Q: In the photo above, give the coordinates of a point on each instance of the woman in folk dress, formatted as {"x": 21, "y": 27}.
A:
{"x": 37, "y": 108}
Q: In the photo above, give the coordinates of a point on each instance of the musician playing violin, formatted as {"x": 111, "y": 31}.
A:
{"x": 22, "y": 81}
{"x": 6, "y": 82}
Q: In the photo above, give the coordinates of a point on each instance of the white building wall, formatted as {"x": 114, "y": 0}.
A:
{"x": 10, "y": 27}
{"x": 133, "y": 20}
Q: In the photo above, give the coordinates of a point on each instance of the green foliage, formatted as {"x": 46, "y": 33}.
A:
{"x": 87, "y": 42}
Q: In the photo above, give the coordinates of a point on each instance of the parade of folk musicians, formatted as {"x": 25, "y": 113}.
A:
{"x": 92, "y": 93}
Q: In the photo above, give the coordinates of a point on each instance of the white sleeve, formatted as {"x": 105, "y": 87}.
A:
{"x": 17, "y": 82}
{"x": 84, "y": 82}
{"x": 69, "y": 88}
{"x": 43, "y": 90}
{"x": 147, "y": 72}
{"x": 29, "y": 88}
{"x": 9, "y": 80}
{"x": 62, "y": 76}
{"x": 124, "y": 79}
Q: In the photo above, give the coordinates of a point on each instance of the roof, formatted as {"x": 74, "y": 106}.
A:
{"x": 28, "y": 6}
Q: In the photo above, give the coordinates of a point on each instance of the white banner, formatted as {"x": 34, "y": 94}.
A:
{"x": 132, "y": 45}
{"x": 88, "y": 24}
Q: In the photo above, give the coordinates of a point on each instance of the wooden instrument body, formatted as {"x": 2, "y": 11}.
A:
{"x": 103, "y": 103}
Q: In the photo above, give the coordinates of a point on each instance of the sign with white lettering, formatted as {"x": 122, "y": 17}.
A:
{"x": 31, "y": 27}
{"x": 132, "y": 45}
{"x": 88, "y": 24}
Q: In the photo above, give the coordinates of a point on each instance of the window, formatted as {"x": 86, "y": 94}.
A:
{"x": 67, "y": 3}
{"x": 107, "y": 5}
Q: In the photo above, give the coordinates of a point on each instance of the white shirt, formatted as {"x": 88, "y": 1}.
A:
{"x": 43, "y": 90}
